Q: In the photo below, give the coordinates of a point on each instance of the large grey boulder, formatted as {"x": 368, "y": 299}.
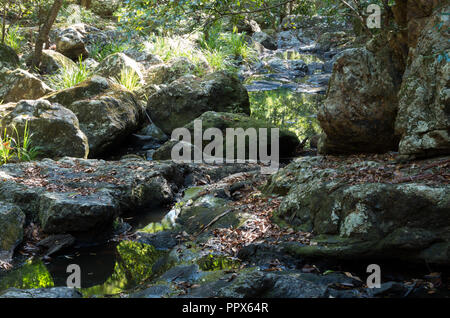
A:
{"x": 359, "y": 112}
{"x": 366, "y": 209}
{"x": 188, "y": 97}
{"x": 423, "y": 119}
{"x": 288, "y": 141}
{"x": 107, "y": 112}
{"x": 54, "y": 129}
{"x": 70, "y": 42}
{"x": 11, "y": 224}
{"x": 20, "y": 84}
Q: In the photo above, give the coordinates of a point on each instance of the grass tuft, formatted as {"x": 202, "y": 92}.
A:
{"x": 69, "y": 76}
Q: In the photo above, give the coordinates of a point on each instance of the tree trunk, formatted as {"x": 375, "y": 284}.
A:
{"x": 86, "y": 3}
{"x": 4, "y": 25}
{"x": 43, "y": 33}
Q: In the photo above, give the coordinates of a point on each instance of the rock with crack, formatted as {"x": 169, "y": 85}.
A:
{"x": 77, "y": 195}
{"x": 107, "y": 112}
{"x": 84, "y": 195}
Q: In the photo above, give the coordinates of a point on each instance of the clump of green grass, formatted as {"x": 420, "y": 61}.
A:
{"x": 129, "y": 79}
{"x": 17, "y": 148}
{"x": 100, "y": 51}
{"x": 170, "y": 48}
{"x": 232, "y": 45}
{"x": 219, "y": 60}
{"x": 69, "y": 76}
{"x": 14, "y": 39}
{"x": 236, "y": 44}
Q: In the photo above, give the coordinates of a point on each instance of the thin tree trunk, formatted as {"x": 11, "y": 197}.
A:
{"x": 86, "y": 3}
{"x": 43, "y": 33}
{"x": 4, "y": 25}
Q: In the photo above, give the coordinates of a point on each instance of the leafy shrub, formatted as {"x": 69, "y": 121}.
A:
{"x": 14, "y": 39}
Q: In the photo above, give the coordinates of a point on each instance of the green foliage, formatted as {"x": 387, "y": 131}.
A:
{"x": 237, "y": 46}
{"x": 221, "y": 49}
{"x": 134, "y": 266}
{"x": 17, "y": 148}
{"x": 168, "y": 48}
{"x": 69, "y": 76}
{"x": 14, "y": 39}
{"x": 33, "y": 274}
{"x": 129, "y": 79}
{"x": 181, "y": 15}
{"x": 100, "y": 51}
{"x": 286, "y": 109}
{"x": 219, "y": 60}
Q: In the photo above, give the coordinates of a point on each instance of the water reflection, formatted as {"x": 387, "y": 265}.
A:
{"x": 105, "y": 270}
{"x": 33, "y": 274}
{"x": 287, "y": 109}
{"x": 217, "y": 262}
{"x": 133, "y": 266}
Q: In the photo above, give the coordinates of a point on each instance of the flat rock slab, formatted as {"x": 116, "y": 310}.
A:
{"x": 81, "y": 195}
{"x": 55, "y": 292}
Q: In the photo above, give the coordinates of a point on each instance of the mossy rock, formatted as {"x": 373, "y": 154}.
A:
{"x": 288, "y": 141}
{"x": 188, "y": 97}
{"x": 8, "y": 57}
{"x": 11, "y": 224}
